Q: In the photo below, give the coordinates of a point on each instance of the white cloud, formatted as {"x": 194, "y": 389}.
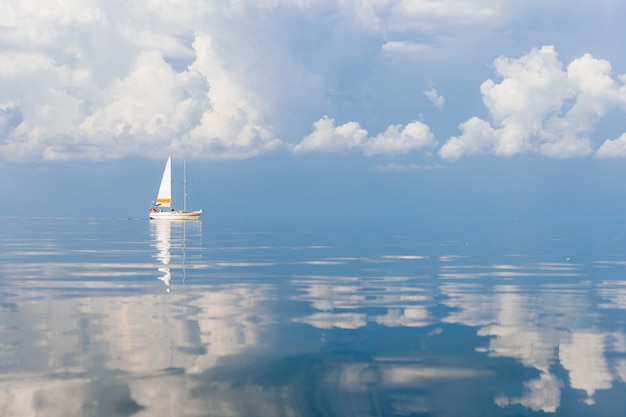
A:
{"x": 566, "y": 147}
{"x": 102, "y": 79}
{"x": 327, "y": 137}
{"x": 200, "y": 111}
{"x": 401, "y": 140}
{"x": 232, "y": 124}
{"x": 148, "y": 105}
{"x": 434, "y": 97}
{"x": 613, "y": 148}
{"x": 477, "y": 137}
{"x": 95, "y": 79}
{"x": 540, "y": 107}
{"x": 405, "y": 47}
{"x": 63, "y": 111}
{"x": 113, "y": 80}
{"x": 397, "y": 139}
{"x": 430, "y": 15}
{"x": 31, "y": 25}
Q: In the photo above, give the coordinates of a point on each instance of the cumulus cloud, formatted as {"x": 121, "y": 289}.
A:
{"x": 540, "y": 107}
{"x": 111, "y": 79}
{"x": 102, "y": 82}
{"x": 433, "y": 96}
{"x": 397, "y": 139}
{"x": 477, "y": 137}
{"x": 613, "y": 148}
{"x": 401, "y": 140}
{"x": 200, "y": 111}
{"x": 327, "y": 137}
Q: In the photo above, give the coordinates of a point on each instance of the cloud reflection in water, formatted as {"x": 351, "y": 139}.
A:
{"x": 257, "y": 326}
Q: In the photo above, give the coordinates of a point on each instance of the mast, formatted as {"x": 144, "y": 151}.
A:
{"x": 185, "y": 185}
{"x": 171, "y": 181}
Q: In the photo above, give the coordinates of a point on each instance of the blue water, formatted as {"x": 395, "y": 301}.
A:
{"x": 121, "y": 317}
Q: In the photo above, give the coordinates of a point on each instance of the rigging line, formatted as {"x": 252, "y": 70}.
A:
{"x": 196, "y": 195}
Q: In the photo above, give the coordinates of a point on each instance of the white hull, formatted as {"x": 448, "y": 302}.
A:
{"x": 175, "y": 215}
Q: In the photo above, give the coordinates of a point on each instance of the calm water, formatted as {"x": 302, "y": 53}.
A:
{"x": 143, "y": 318}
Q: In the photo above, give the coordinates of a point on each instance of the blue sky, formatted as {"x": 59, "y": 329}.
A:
{"x": 351, "y": 109}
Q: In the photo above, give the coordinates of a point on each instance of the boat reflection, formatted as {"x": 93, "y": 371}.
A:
{"x": 171, "y": 236}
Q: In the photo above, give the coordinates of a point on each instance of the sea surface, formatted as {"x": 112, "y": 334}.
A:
{"x": 132, "y": 317}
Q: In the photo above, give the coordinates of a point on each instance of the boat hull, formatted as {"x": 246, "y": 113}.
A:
{"x": 175, "y": 215}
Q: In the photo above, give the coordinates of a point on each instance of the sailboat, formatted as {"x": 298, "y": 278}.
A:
{"x": 162, "y": 207}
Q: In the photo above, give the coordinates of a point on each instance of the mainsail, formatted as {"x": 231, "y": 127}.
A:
{"x": 164, "y": 198}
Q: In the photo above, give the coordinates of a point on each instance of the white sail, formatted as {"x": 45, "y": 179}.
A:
{"x": 164, "y": 198}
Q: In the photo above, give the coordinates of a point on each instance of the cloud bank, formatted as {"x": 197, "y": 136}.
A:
{"x": 91, "y": 79}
